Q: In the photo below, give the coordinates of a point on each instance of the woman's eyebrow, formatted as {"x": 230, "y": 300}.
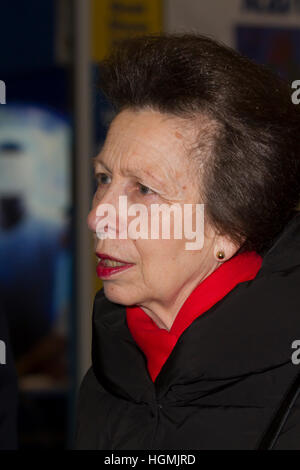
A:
{"x": 97, "y": 161}
{"x": 142, "y": 174}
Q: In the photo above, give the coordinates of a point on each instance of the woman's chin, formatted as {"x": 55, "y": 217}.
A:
{"x": 118, "y": 295}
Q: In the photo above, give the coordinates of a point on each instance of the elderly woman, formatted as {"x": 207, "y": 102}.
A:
{"x": 195, "y": 348}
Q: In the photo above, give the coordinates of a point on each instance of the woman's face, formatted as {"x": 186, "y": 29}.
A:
{"x": 145, "y": 149}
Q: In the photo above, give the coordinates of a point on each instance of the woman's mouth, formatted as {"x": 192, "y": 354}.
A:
{"x": 106, "y": 267}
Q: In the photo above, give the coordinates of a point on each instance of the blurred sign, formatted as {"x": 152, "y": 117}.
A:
{"x": 278, "y": 47}
{"x": 115, "y": 20}
{"x": 272, "y": 6}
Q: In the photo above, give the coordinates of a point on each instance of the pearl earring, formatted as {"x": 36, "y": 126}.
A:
{"x": 220, "y": 254}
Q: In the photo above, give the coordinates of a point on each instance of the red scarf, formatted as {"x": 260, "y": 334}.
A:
{"x": 157, "y": 343}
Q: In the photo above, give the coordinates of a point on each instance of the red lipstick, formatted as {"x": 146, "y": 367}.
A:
{"x": 104, "y": 271}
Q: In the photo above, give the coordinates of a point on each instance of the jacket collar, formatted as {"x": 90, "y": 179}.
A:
{"x": 157, "y": 343}
{"x": 118, "y": 363}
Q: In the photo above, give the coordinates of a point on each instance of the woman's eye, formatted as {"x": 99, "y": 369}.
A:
{"x": 102, "y": 178}
{"x": 145, "y": 190}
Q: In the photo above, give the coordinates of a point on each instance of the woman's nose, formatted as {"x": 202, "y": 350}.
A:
{"x": 110, "y": 197}
{"x": 92, "y": 219}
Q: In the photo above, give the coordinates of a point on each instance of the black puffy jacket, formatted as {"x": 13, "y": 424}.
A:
{"x": 231, "y": 381}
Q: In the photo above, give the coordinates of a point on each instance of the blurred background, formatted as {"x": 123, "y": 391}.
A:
{"x": 53, "y": 120}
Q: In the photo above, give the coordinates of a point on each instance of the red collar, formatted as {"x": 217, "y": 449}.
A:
{"x": 157, "y": 343}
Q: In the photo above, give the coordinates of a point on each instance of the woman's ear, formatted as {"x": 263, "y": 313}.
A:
{"x": 225, "y": 248}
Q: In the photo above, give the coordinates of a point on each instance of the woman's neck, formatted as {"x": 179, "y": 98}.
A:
{"x": 164, "y": 313}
